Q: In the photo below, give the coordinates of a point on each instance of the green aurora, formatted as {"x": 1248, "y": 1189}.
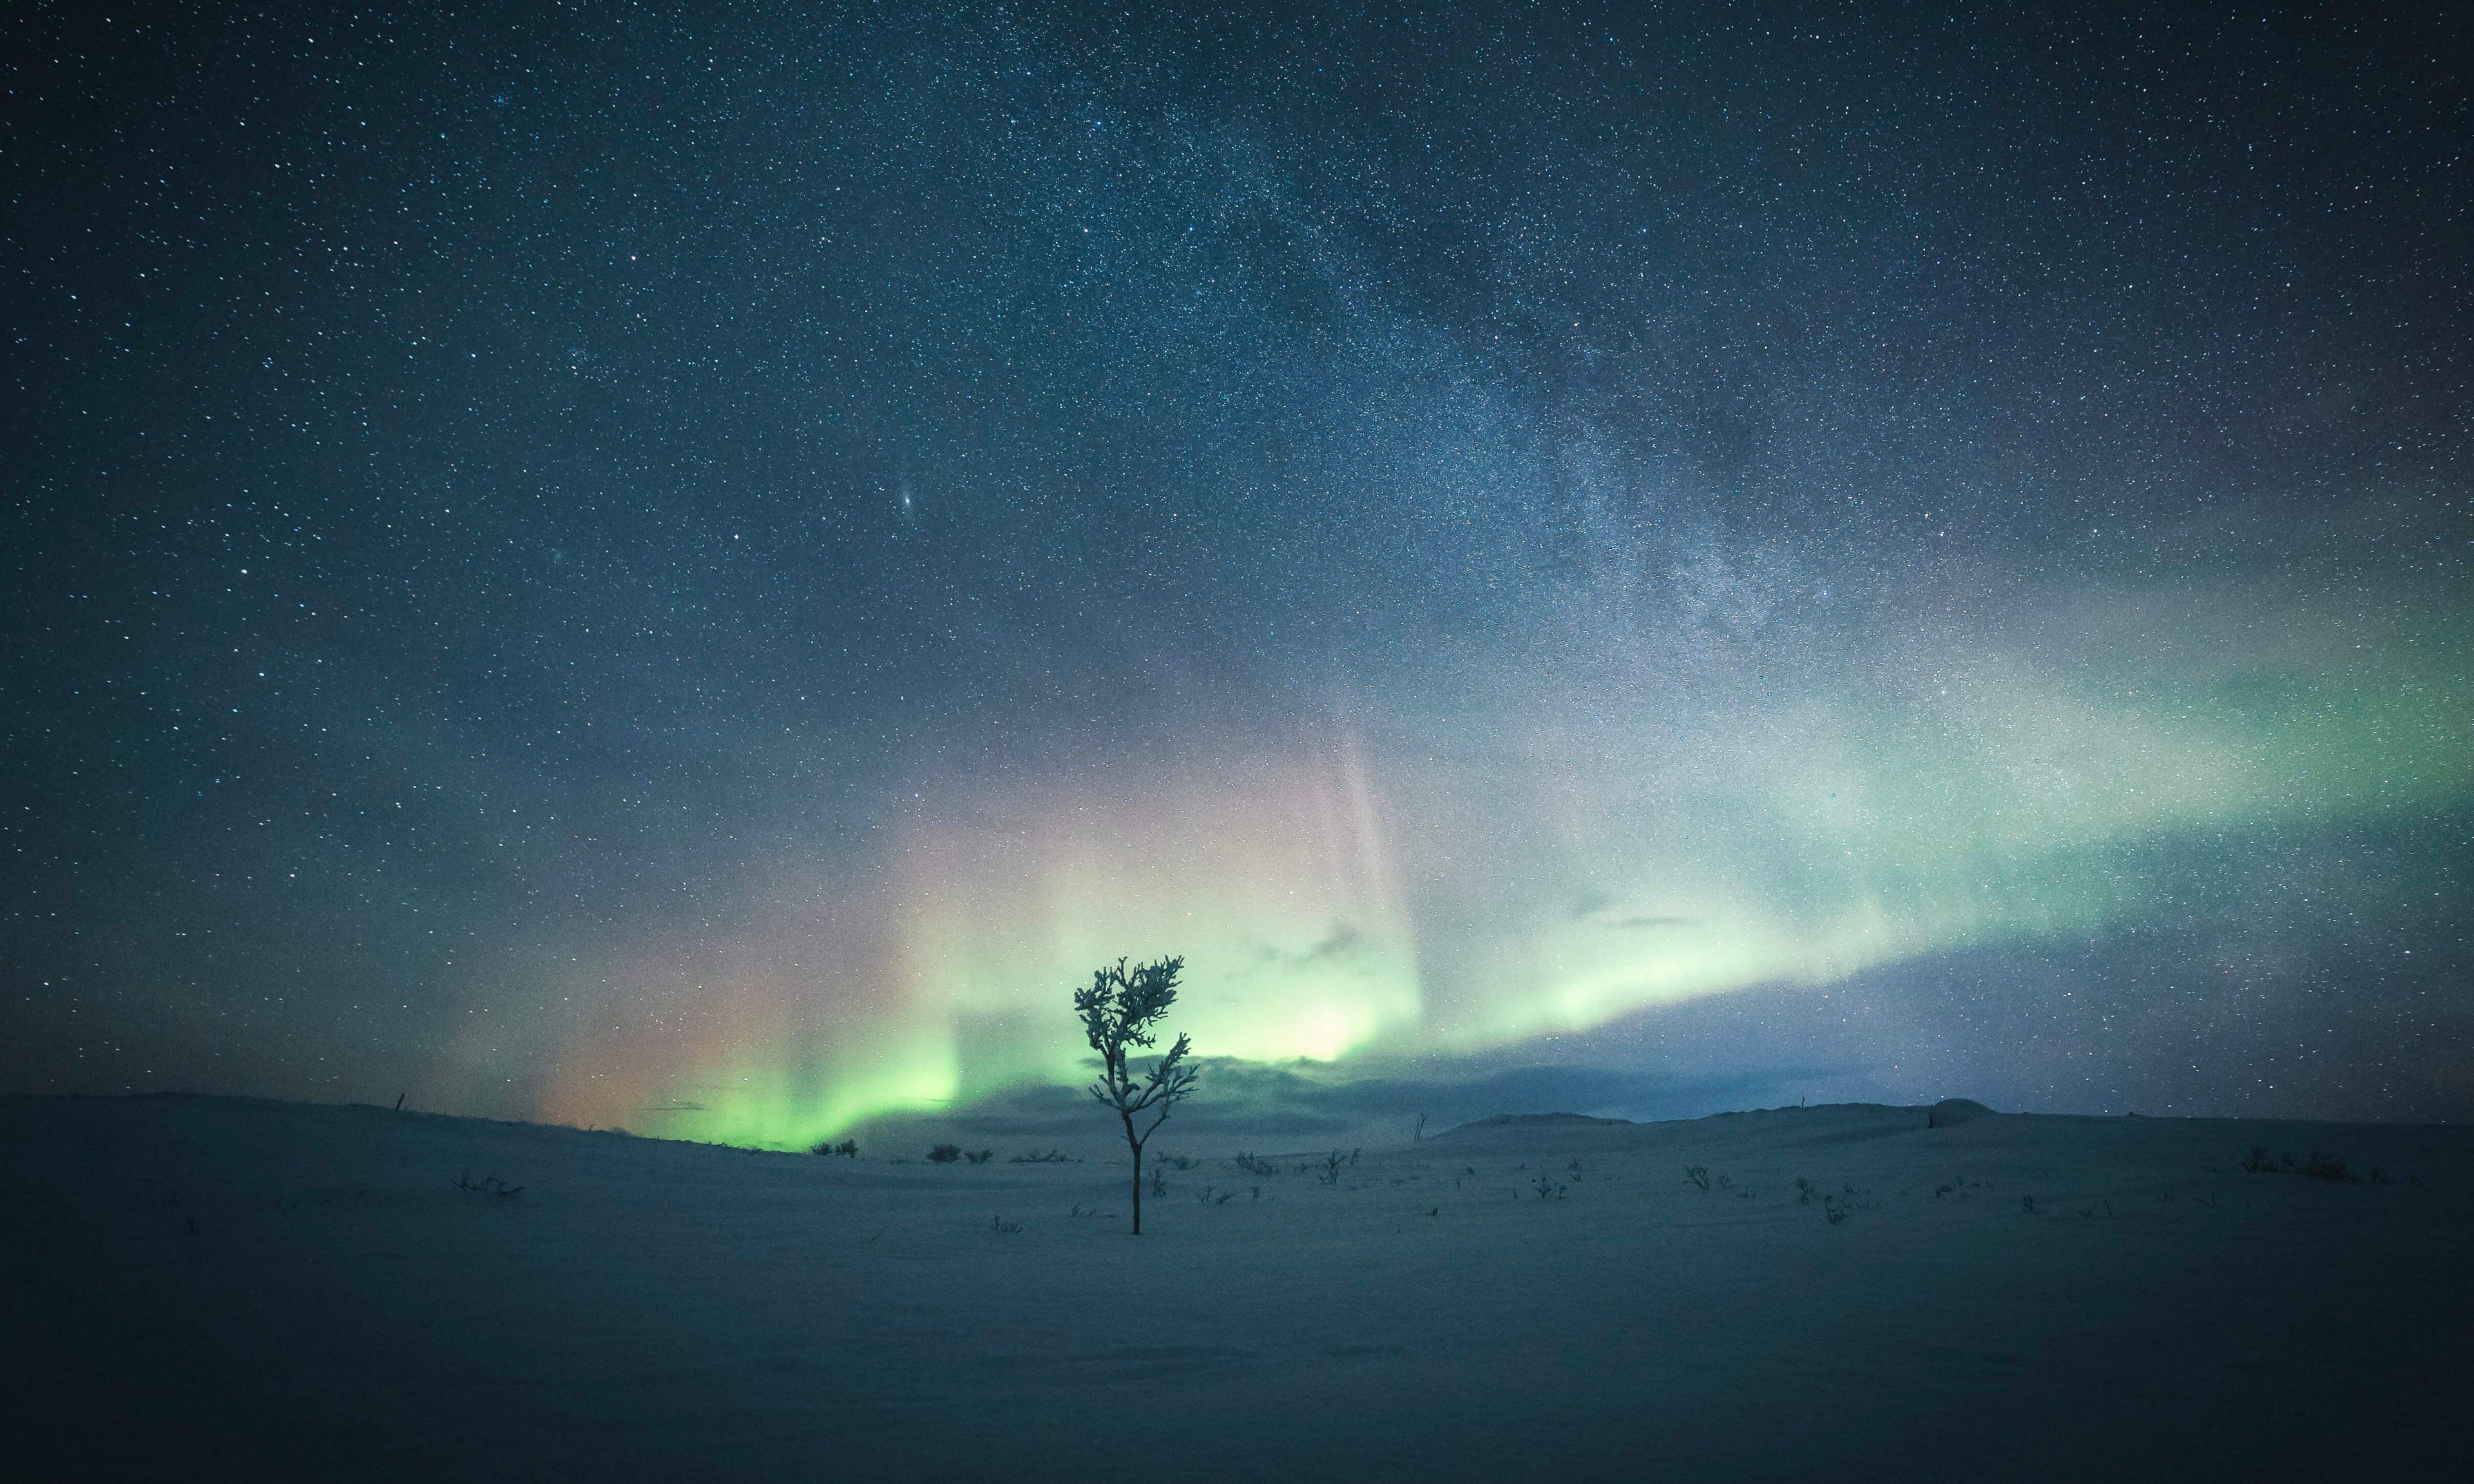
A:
{"x": 1452, "y": 881}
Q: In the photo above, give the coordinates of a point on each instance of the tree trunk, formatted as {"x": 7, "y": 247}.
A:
{"x": 1137, "y": 1146}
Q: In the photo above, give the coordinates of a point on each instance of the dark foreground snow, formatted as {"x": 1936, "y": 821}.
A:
{"x": 204, "y": 1288}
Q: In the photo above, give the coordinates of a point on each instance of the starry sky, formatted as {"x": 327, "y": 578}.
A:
{"x": 695, "y": 566}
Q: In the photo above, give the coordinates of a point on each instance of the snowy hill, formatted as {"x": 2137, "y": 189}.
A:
{"x": 223, "y": 1288}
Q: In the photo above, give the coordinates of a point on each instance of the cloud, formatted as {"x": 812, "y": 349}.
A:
{"x": 1343, "y": 940}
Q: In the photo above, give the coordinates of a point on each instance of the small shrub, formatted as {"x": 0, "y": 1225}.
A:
{"x": 1547, "y": 1188}
{"x": 1725, "y": 1183}
{"x": 1697, "y": 1176}
{"x": 1254, "y": 1164}
{"x": 1178, "y": 1162}
{"x": 1329, "y": 1174}
{"x": 2330, "y": 1167}
{"x": 1836, "y": 1211}
{"x": 1052, "y": 1157}
{"x": 490, "y": 1185}
{"x": 2027, "y": 1204}
{"x": 979, "y": 1157}
{"x": 1000, "y": 1224}
{"x": 944, "y": 1153}
{"x": 1159, "y": 1179}
{"x": 1803, "y": 1191}
{"x": 2380, "y": 1177}
{"x": 2257, "y": 1163}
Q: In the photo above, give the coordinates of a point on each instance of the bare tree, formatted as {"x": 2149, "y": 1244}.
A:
{"x": 1119, "y": 1010}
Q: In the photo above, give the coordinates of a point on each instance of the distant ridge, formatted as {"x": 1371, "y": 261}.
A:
{"x": 1946, "y": 1113}
{"x": 1955, "y": 1109}
{"x": 1559, "y": 1120}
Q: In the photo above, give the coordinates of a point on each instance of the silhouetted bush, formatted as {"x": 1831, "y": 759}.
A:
{"x": 979, "y": 1157}
{"x": 2330, "y": 1167}
{"x": 944, "y": 1153}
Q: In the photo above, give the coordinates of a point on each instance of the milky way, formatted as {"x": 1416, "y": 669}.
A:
{"x": 695, "y": 569}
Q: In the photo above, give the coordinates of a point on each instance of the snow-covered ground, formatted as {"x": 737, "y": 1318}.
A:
{"x": 219, "y": 1288}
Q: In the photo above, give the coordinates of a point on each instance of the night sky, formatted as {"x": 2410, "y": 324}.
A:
{"x": 695, "y": 566}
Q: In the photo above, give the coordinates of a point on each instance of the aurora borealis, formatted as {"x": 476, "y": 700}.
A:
{"x": 695, "y": 567}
